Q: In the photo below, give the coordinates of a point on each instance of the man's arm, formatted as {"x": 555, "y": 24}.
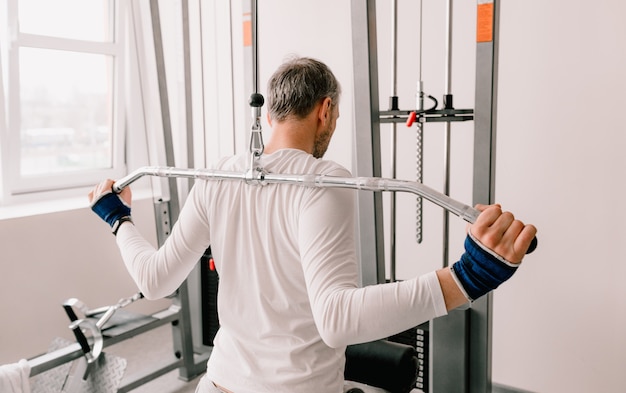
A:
{"x": 452, "y": 294}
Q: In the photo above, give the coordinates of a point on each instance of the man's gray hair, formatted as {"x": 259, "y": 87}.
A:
{"x": 298, "y": 85}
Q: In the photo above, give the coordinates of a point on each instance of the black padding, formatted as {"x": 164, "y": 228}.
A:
{"x": 383, "y": 364}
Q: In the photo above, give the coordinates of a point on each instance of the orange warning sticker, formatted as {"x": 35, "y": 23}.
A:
{"x": 484, "y": 23}
{"x": 247, "y": 30}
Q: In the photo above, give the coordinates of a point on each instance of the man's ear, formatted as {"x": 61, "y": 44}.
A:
{"x": 325, "y": 110}
{"x": 269, "y": 119}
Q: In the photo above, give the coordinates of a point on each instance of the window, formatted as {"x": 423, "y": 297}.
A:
{"x": 62, "y": 72}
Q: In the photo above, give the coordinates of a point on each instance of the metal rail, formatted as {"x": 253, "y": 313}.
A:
{"x": 48, "y": 361}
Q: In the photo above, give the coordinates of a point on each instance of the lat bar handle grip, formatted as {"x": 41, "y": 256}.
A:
{"x": 533, "y": 245}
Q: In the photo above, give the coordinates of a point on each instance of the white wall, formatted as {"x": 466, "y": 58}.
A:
{"x": 559, "y": 323}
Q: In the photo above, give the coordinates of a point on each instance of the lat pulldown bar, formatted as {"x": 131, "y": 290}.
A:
{"x": 262, "y": 178}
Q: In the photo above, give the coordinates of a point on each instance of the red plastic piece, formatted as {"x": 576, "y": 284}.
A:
{"x": 212, "y": 264}
{"x": 411, "y": 119}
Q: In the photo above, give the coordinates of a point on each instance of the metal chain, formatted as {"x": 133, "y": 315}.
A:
{"x": 419, "y": 177}
{"x": 420, "y": 133}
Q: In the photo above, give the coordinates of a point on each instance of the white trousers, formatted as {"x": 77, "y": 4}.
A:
{"x": 206, "y": 386}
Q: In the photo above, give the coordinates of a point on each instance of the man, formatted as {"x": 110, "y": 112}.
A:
{"x": 289, "y": 301}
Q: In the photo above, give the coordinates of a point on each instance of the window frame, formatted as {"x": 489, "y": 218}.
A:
{"x": 16, "y": 187}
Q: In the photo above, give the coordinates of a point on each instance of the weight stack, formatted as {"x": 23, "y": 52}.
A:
{"x": 418, "y": 338}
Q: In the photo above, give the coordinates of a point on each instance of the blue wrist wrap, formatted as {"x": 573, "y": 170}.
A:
{"x": 480, "y": 270}
{"x": 110, "y": 208}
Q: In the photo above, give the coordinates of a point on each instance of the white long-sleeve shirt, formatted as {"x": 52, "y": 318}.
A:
{"x": 289, "y": 301}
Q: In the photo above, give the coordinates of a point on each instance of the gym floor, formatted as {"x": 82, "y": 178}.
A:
{"x": 141, "y": 351}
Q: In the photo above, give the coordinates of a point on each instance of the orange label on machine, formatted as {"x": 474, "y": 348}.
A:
{"x": 247, "y": 30}
{"x": 484, "y": 23}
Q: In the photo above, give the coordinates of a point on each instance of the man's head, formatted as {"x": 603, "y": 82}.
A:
{"x": 297, "y": 86}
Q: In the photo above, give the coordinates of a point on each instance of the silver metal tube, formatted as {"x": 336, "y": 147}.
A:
{"x": 392, "y": 207}
{"x": 394, "y": 47}
{"x": 421, "y": 41}
{"x": 446, "y": 190}
{"x": 462, "y": 210}
{"x": 393, "y": 142}
{"x": 448, "y": 127}
{"x": 188, "y": 82}
{"x": 448, "y": 65}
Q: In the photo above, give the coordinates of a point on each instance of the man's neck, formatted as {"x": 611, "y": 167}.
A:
{"x": 288, "y": 134}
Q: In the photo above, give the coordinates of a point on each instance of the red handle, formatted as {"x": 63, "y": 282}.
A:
{"x": 411, "y": 119}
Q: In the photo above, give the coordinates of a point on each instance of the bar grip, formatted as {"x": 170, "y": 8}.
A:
{"x": 533, "y": 245}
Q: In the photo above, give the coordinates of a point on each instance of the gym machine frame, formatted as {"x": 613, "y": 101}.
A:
{"x": 460, "y": 343}
{"x": 467, "y": 371}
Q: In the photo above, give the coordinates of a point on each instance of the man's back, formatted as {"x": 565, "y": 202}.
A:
{"x": 268, "y": 243}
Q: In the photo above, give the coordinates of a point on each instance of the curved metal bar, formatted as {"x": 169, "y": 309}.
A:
{"x": 462, "y": 210}
{"x": 262, "y": 178}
